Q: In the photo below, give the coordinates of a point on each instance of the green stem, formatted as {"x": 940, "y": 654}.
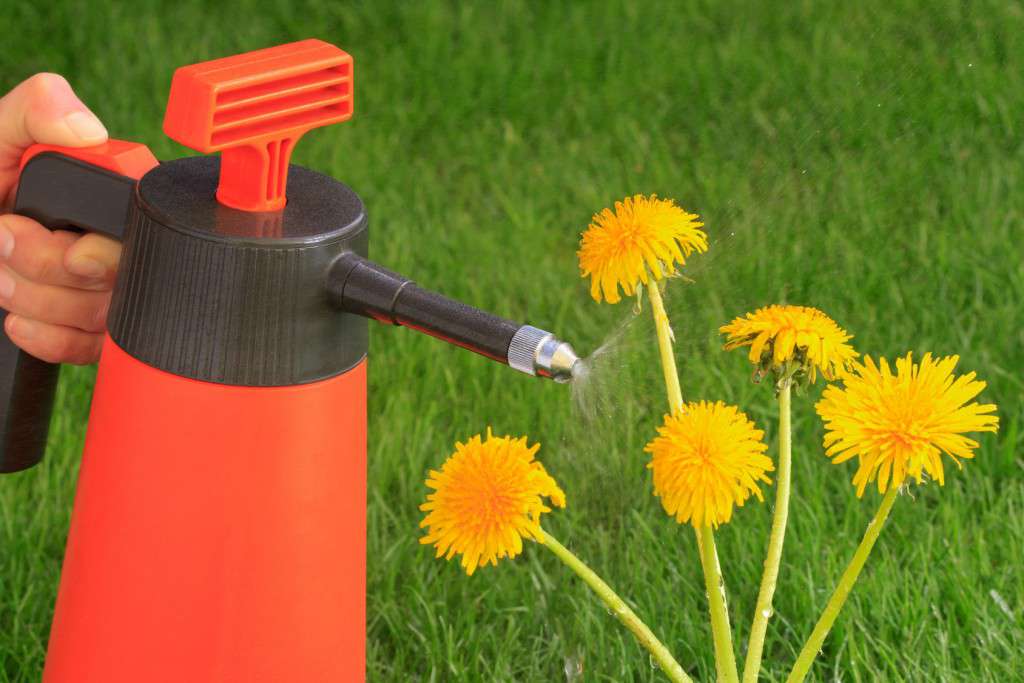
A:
{"x": 620, "y": 609}
{"x": 668, "y": 359}
{"x": 725, "y": 658}
{"x": 835, "y": 603}
{"x": 752, "y": 667}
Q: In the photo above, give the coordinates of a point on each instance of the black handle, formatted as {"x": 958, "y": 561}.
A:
{"x": 59, "y": 192}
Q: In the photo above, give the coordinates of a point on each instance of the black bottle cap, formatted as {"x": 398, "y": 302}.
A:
{"x": 235, "y": 297}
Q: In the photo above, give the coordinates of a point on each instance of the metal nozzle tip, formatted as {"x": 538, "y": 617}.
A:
{"x": 558, "y": 361}
{"x": 538, "y": 352}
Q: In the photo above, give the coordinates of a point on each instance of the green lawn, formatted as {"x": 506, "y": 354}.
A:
{"x": 864, "y": 158}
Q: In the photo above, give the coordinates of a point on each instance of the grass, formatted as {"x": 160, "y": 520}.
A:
{"x": 864, "y": 158}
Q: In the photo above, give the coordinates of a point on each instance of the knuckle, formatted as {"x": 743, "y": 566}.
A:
{"x": 28, "y": 302}
{"x": 62, "y": 346}
{"x": 41, "y": 267}
{"x": 44, "y": 82}
{"x": 99, "y": 316}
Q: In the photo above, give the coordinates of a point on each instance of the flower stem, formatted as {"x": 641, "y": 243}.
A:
{"x": 725, "y": 658}
{"x": 835, "y": 603}
{"x": 620, "y": 609}
{"x": 668, "y": 359}
{"x": 752, "y": 667}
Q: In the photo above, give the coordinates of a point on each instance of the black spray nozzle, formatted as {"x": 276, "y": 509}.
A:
{"x": 361, "y": 286}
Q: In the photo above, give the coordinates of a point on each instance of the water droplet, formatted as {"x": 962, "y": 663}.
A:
{"x": 1001, "y": 603}
{"x": 767, "y": 613}
{"x": 573, "y": 668}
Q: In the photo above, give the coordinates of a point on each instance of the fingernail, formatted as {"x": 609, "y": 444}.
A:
{"x": 21, "y": 328}
{"x": 86, "y": 126}
{"x": 6, "y": 285}
{"x": 6, "y": 242}
{"x": 87, "y": 267}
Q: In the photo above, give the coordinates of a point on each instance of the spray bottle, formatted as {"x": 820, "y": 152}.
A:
{"x": 219, "y": 524}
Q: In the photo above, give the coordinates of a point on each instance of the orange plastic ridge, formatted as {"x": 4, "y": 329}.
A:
{"x": 253, "y": 108}
{"x": 130, "y": 159}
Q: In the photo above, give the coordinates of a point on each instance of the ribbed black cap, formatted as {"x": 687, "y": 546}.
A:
{"x": 216, "y": 294}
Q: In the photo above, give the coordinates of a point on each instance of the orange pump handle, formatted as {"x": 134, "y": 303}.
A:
{"x": 253, "y": 108}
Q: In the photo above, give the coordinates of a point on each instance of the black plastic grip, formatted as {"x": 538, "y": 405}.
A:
{"x": 59, "y": 192}
{"x": 28, "y": 386}
{"x": 66, "y": 193}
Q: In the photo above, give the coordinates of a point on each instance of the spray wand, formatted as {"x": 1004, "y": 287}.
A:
{"x": 363, "y": 287}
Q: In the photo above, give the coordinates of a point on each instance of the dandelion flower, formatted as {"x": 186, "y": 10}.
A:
{"x": 898, "y": 425}
{"x": 487, "y": 498}
{"x": 705, "y": 460}
{"x": 643, "y": 236}
{"x": 800, "y": 337}
{"x": 794, "y": 344}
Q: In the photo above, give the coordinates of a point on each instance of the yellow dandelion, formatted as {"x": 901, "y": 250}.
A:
{"x": 706, "y": 459}
{"x": 899, "y": 425}
{"x": 487, "y": 498}
{"x": 642, "y": 236}
{"x": 801, "y": 335}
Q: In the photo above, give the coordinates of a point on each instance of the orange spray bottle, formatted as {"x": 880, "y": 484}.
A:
{"x": 219, "y": 525}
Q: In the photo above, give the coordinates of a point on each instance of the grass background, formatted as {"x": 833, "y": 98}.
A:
{"x": 864, "y": 158}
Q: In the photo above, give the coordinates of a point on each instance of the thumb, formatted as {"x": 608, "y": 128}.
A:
{"x": 45, "y": 109}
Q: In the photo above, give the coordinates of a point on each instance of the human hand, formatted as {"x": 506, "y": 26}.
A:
{"x": 55, "y": 285}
